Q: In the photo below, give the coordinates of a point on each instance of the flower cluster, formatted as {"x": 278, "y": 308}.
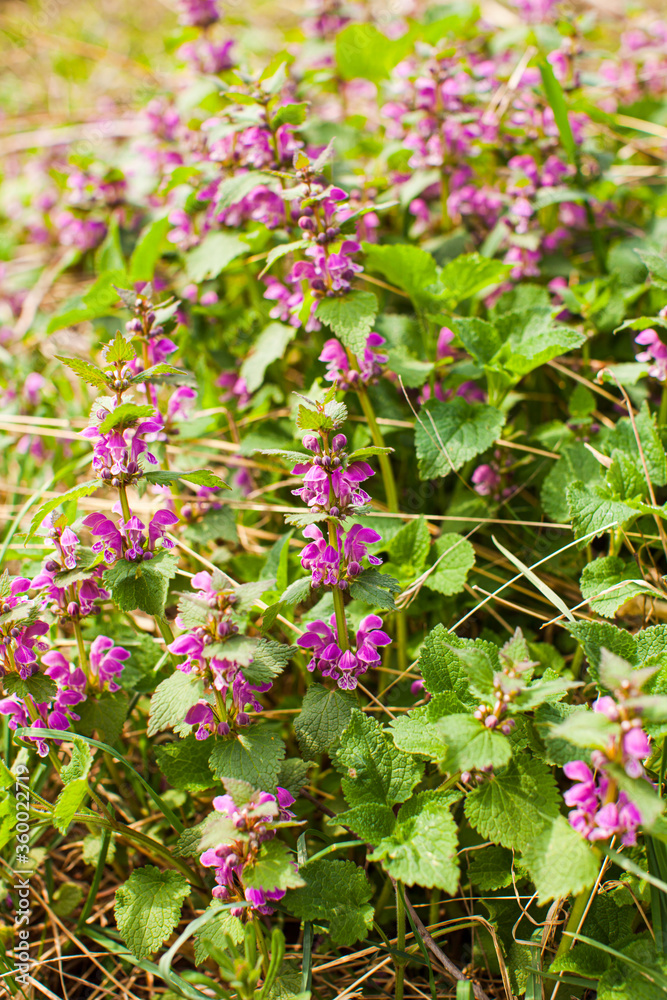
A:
{"x": 338, "y": 566}
{"x": 599, "y": 809}
{"x": 344, "y": 666}
{"x": 128, "y": 539}
{"x": 655, "y": 354}
{"x": 252, "y": 823}
{"x": 75, "y": 599}
{"x": 209, "y": 653}
{"x": 342, "y": 371}
{"x": 331, "y": 481}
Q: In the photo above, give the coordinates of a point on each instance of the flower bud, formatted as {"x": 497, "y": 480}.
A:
{"x": 311, "y": 442}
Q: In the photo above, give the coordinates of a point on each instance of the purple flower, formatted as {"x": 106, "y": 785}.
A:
{"x": 338, "y": 364}
{"x": 207, "y": 56}
{"x": 656, "y": 353}
{"x": 128, "y": 538}
{"x": 236, "y": 388}
{"x": 330, "y": 483}
{"x": 592, "y": 815}
{"x": 486, "y": 480}
{"x": 198, "y": 13}
{"x": 106, "y": 661}
{"x": 343, "y": 667}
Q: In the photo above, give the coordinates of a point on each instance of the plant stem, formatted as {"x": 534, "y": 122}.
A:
{"x": 262, "y": 945}
{"x": 167, "y": 635}
{"x": 124, "y": 502}
{"x": 339, "y": 605}
{"x": 83, "y": 658}
{"x": 400, "y": 941}
{"x": 574, "y": 919}
{"x": 662, "y": 412}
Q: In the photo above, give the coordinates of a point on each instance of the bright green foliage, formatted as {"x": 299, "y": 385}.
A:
{"x": 323, "y": 717}
{"x": 373, "y": 768}
{"x": 171, "y": 701}
{"x": 337, "y": 893}
{"x": 254, "y": 755}
{"x": 451, "y": 573}
{"x": 142, "y": 585}
{"x": 491, "y": 868}
{"x": 104, "y": 715}
{"x": 273, "y": 869}
{"x": 213, "y": 255}
{"x": 560, "y": 861}
{"x": 148, "y": 908}
{"x": 350, "y": 317}
{"x": 471, "y": 745}
{"x": 449, "y": 434}
{"x": 512, "y": 807}
{"x": 422, "y": 846}
{"x": 184, "y": 764}
{"x": 215, "y": 929}
{"x": 603, "y": 574}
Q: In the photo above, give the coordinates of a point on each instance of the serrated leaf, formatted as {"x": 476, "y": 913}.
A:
{"x": 512, "y": 807}
{"x": 85, "y": 370}
{"x": 439, "y": 665}
{"x": 471, "y": 745}
{"x": 479, "y": 337}
{"x": 371, "y": 822}
{"x": 409, "y": 548}
{"x": 68, "y": 803}
{"x": 350, "y": 317}
{"x": 337, "y": 892}
{"x": 276, "y": 253}
{"x": 490, "y": 868}
{"x": 462, "y": 431}
{"x": 148, "y": 908}
{"x": 452, "y": 572}
{"x": 374, "y": 769}
{"x": 184, "y": 763}
{"x": 408, "y": 267}
{"x": 82, "y": 490}
{"x": 253, "y": 755}
{"x": 561, "y": 863}
{"x": 533, "y": 340}
{"x": 199, "y": 477}
{"x": 104, "y": 715}
{"x": 422, "y": 847}
{"x": 467, "y": 275}
{"x": 290, "y": 114}
{"x": 40, "y": 687}
{"x": 293, "y": 775}
{"x": 126, "y": 414}
{"x": 596, "y": 636}
{"x": 612, "y": 574}
{"x": 273, "y": 869}
{"x": 142, "y": 585}
{"x": 415, "y": 733}
{"x": 147, "y": 250}
{"x": 171, "y": 701}
{"x": 323, "y": 717}
{"x": 155, "y": 370}
{"x": 215, "y": 930}
{"x": 593, "y": 508}
{"x": 80, "y": 762}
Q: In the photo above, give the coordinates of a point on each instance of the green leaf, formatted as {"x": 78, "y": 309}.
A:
{"x": 233, "y": 189}
{"x": 531, "y": 339}
{"x": 409, "y": 548}
{"x": 596, "y": 636}
{"x": 452, "y": 572}
{"x": 104, "y": 715}
{"x": 558, "y": 750}
{"x": 561, "y": 863}
{"x": 449, "y": 434}
{"x": 588, "y": 729}
{"x": 214, "y": 525}
{"x": 171, "y": 701}
{"x": 214, "y": 931}
{"x": 323, "y": 717}
{"x": 371, "y": 822}
{"x": 491, "y": 868}
{"x": 40, "y": 687}
{"x": 337, "y": 892}
{"x": 267, "y": 348}
{"x": 404, "y": 265}
{"x": 512, "y": 807}
{"x": 80, "y": 762}
{"x": 656, "y": 264}
{"x": 422, "y": 848}
{"x": 414, "y": 732}
{"x": 471, "y": 745}
{"x": 86, "y": 371}
{"x": 623, "y": 438}
{"x": 479, "y": 337}
{"x": 215, "y": 252}
{"x": 148, "y": 908}
{"x": 605, "y": 573}
{"x": 269, "y": 659}
{"x": 290, "y": 114}
{"x": 554, "y": 94}
{"x": 253, "y": 755}
{"x": 362, "y": 50}
{"x": 467, "y": 275}
{"x": 440, "y": 667}
{"x": 143, "y": 585}
{"x": 281, "y": 251}
{"x": 184, "y": 763}
{"x": 374, "y": 769}
{"x": 199, "y": 477}
{"x": 66, "y": 898}
{"x": 593, "y": 508}
{"x": 293, "y": 775}
{"x": 82, "y": 490}
{"x": 273, "y": 869}
{"x": 68, "y": 803}
{"x": 575, "y": 463}
{"x": 147, "y": 252}
{"x": 412, "y": 371}
{"x": 350, "y": 317}
{"x": 127, "y": 415}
